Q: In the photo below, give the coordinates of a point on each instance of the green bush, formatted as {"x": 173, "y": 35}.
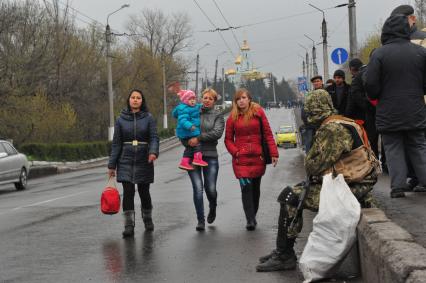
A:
{"x": 75, "y": 151}
{"x": 66, "y": 151}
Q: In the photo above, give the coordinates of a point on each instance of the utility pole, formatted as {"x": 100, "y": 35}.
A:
{"x": 303, "y": 67}
{"x": 109, "y": 70}
{"x": 196, "y": 74}
{"x": 163, "y": 63}
{"x": 110, "y": 94}
{"x": 273, "y": 87}
{"x": 223, "y": 88}
{"x": 215, "y": 69}
{"x": 215, "y": 74}
{"x": 196, "y": 68}
{"x": 325, "y": 48}
{"x": 324, "y": 42}
{"x": 314, "y": 57}
{"x": 307, "y": 65}
{"x": 353, "y": 48}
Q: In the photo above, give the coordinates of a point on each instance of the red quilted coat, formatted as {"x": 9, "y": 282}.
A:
{"x": 243, "y": 142}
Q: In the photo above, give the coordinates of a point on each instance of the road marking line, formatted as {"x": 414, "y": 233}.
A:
{"x": 42, "y": 202}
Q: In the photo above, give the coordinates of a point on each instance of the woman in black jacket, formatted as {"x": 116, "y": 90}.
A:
{"x": 134, "y": 148}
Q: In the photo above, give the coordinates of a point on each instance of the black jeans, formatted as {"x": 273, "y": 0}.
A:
{"x": 250, "y": 195}
{"x": 129, "y": 196}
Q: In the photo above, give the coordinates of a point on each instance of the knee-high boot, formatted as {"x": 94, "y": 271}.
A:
{"x": 247, "y": 199}
{"x": 147, "y": 219}
{"x": 283, "y": 258}
{"x": 129, "y": 223}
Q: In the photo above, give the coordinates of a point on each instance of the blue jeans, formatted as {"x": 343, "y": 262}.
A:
{"x": 209, "y": 174}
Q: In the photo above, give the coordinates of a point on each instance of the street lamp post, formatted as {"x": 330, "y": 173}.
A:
{"x": 109, "y": 70}
{"x": 308, "y": 74}
{"x": 303, "y": 64}
{"x": 163, "y": 66}
{"x": 314, "y": 57}
{"x": 215, "y": 70}
{"x": 324, "y": 42}
{"x": 353, "y": 49}
{"x": 196, "y": 68}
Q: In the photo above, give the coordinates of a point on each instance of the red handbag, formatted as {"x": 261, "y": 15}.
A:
{"x": 110, "y": 199}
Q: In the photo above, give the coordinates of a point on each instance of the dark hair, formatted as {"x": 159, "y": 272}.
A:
{"x": 355, "y": 63}
{"x": 143, "y": 108}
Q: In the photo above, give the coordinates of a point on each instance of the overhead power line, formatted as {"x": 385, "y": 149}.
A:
{"x": 211, "y": 22}
{"x": 229, "y": 25}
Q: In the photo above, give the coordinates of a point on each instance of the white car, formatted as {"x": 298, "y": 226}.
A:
{"x": 14, "y": 166}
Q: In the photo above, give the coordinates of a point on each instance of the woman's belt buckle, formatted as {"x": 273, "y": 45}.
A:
{"x": 135, "y": 142}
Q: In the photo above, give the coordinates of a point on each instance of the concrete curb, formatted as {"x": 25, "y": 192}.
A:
{"x": 45, "y": 168}
{"x": 388, "y": 253}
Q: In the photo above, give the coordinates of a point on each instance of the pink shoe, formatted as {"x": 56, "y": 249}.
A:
{"x": 185, "y": 165}
{"x": 198, "y": 160}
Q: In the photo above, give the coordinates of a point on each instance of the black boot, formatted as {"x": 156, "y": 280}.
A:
{"x": 419, "y": 189}
{"x": 279, "y": 261}
{"x": 397, "y": 193}
{"x": 247, "y": 199}
{"x": 212, "y": 215}
{"x": 129, "y": 223}
{"x": 147, "y": 219}
{"x": 201, "y": 226}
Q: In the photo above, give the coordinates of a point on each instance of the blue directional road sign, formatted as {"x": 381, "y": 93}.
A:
{"x": 302, "y": 84}
{"x": 339, "y": 56}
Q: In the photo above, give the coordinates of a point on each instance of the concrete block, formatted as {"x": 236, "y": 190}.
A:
{"x": 418, "y": 276}
{"x": 373, "y": 215}
{"x": 377, "y": 233}
{"x": 398, "y": 259}
{"x": 41, "y": 171}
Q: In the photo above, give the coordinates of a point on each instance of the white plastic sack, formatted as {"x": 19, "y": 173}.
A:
{"x": 334, "y": 229}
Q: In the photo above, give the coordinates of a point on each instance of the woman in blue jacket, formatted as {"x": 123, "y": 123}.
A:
{"x": 134, "y": 148}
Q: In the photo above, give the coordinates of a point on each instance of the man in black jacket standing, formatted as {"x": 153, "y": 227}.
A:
{"x": 396, "y": 76}
{"x": 358, "y": 106}
{"x": 339, "y": 91}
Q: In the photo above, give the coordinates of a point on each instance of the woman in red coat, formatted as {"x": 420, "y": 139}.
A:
{"x": 243, "y": 139}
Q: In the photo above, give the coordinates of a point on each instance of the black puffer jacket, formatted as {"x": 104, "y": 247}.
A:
{"x": 339, "y": 103}
{"x": 396, "y": 75}
{"x": 357, "y": 99}
{"x": 131, "y": 161}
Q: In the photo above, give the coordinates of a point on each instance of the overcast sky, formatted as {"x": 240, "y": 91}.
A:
{"x": 274, "y": 45}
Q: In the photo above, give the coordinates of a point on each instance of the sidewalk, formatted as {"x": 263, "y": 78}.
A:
{"x": 408, "y": 212}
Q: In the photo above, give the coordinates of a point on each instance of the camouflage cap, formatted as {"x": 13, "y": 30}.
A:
{"x": 318, "y": 106}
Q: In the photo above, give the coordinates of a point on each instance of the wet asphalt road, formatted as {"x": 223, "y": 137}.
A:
{"x": 55, "y": 232}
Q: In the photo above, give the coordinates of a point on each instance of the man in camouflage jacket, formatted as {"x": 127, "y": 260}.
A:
{"x": 330, "y": 142}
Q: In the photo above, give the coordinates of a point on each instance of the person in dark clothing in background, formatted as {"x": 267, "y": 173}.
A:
{"x": 408, "y": 11}
{"x": 359, "y": 107}
{"x": 328, "y": 83}
{"x": 396, "y": 76}
{"x": 307, "y": 130}
{"x": 317, "y": 82}
{"x": 417, "y": 37}
{"x": 339, "y": 91}
{"x": 356, "y": 103}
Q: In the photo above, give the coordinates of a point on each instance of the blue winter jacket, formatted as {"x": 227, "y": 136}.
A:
{"x": 187, "y": 116}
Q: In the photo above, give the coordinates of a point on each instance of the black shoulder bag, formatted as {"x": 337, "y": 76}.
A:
{"x": 265, "y": 148}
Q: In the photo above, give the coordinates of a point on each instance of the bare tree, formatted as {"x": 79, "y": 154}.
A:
{"x": 421, "y": 11}
{"x": 160, "y": 32}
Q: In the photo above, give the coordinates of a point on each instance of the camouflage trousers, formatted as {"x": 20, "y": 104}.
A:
{"x": 289, "y": 199}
